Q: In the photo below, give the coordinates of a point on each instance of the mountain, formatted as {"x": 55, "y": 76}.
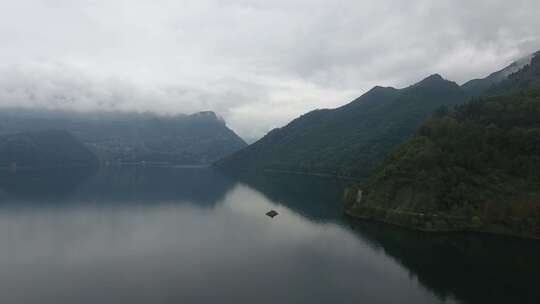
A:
{"x": 526, "y": 78}
{"x": 45, "y": 149}
{"x": 347, "y": 140}
{"x": 474, "y": 167}
{"x": 477, "y": 87}
{"x": 199, "y": 138}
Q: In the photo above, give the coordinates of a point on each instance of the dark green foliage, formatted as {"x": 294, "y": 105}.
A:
{"x": 129, "y": 137}
{"x": 481, "y": 158}
{"x": 348, "y": 140}
{"x": 473, "y": 167}
{"x": 46, "y": 149}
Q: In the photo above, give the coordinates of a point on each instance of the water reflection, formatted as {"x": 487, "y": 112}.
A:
{"x": 116, "y": 185}
{"x": 469, "y": 268}
{"x": 314, "y": 198}
{"x": 42, "y": 183}
{"x": 166, "y": 235}
{"x": 473, "y": 268}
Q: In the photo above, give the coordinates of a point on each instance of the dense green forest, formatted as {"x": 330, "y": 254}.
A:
{"x": 132, "y": 137}
{"x": 478, "y": 162}
{"x": 45, "y": 149}
{"x": 350, "y": 139}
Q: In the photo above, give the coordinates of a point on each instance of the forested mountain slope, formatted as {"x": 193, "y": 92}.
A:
{"x": 46, "y": 149}
{"x": 350, "y": 139}
{"x": 473, "y": 167}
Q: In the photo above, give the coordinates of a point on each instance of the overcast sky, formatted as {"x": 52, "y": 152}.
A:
{"x": 257, "y": 63}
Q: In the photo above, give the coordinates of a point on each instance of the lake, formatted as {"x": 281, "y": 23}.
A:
{"x": 193, "y": 235}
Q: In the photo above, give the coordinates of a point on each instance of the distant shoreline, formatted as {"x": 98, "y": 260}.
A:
{"x": 150, "y": 164}
{"x": 102, "y": 165}
{"x": 325, "y": 175}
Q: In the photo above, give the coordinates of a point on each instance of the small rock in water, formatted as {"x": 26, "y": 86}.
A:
{"x": 272, "y": 213}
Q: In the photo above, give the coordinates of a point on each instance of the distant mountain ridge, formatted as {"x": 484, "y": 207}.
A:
{"x": 347, "y": 140}
{"x": 182, "y": 139}
{"x": 44, "y": 150}
{"x": 350, "y": 140}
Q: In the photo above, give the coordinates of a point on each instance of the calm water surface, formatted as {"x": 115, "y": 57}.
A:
{"x": 173, "y": 235}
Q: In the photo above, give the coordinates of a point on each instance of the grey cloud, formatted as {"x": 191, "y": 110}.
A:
{"x": 63, "y": 87}
{"x": 258, "y": 63}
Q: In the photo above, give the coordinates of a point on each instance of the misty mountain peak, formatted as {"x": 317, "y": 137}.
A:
{"x": 376, "y": 92}
{"x": 379, "y": 89}
{"x": 513, "y": 68}
{"x": 432, "y": 79}
{"x": 434, "y": 82}
{"x": 478, "y": 86}
{"x": 209, "y": 116}
{"x": 535, "y": 58}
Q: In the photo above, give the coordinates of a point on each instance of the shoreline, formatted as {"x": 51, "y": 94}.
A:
{"x": 432, "y": 223}
{"x": 325, "y": 175}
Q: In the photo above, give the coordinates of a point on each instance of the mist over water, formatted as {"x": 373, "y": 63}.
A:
{"x": 193, "y": 235}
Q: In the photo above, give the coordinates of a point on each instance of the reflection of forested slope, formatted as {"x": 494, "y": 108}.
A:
{"x": 122, "y": 184}
{"x": 148, "y": 184}
{"x": 470, "y": 268}
{"x": 315, "y": 198}
{"x": 42, "y": 184}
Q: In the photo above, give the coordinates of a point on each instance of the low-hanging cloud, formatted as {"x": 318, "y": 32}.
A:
{"x": 257, "y": 63}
